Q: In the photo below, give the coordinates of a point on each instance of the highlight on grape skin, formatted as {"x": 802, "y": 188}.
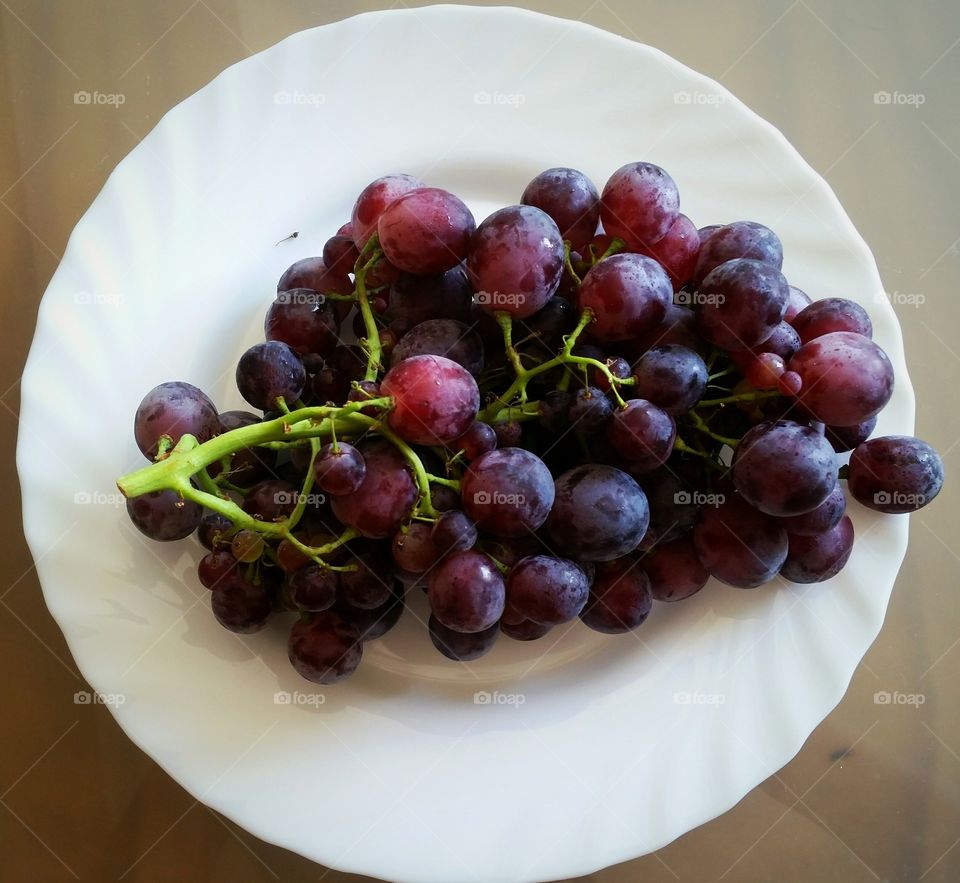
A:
{"x": 581, "y": 408}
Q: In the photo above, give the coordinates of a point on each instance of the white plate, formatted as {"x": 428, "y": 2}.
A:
{"x": 594, "y": 749}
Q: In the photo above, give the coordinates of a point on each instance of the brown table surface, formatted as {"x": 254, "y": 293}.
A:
{"x": 875, "y": 792}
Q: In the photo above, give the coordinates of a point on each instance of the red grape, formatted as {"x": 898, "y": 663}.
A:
{"x": 426, "y": 231}
{"x": 639, "y": 204}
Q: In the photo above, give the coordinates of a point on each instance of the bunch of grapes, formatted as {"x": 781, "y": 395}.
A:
{"x": 579, "y": 406}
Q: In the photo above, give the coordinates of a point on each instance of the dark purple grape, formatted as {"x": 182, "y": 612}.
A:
{"x": 542, "y": 333}
{"x": 741, "y": 239}
{"x": 340, "y": 254}
{"x": 674, "y": 570}
{"x": 813, "y": 559}
{"x": 628, "y": 294}
{"x": 739, "y": 545}
{"x": 527, "y": 630}
{"x": 371, "y": 583}
{"x": 678, "y": 326}
{"x": 213, "y": 530}
{"x": 462, "y": 646}
{"x": 846, "y": 438}
{"x": 818, "y": 520}
{"x": 590, "y": 411}
{"x": 413, "y": 549}
{"x": 384, "y": 499}
{"x": 434, "y": 399}
{"x": 673, "y": 507}
{"x": 415, "y": 299}
{"x": 339, "y": 470}
{"x": 515, "y": 261}
{"x": 174, "y": 409}
{"x": 509, "y": 433}
{"x": 466, "y": 592}
{"x": 570, "y": 198}
{"x": 373, "y": 201}
{"x": 784, "y": 342}
{"x": 248, "y": 465}
{"x": 442, "y": 337}
{"x": 832, "y": 314}
{"x": 547, "y": 590}
{"x": 740, "y": 303}
{"x": 846, "y": 378}
{"x": 375, "y": 623}
{"x": 240, "y": 605}
{"x": 271, "y": 500}
{"x": 324, "y": 649}
{"x": 312, "y": 274}
{"x": 164, "y": 515}
{"x": 426, "y": 231}
{"x": 895, "y": 473}
{"x": 600, "y": 513}
{"x": 350, "y": 361}
{"x": 784, "y": 468}
{"x": 453, "y": 531}
{"x": 554, "y": 410}
{"x": 303, "y": 320}
{"x": 508, "y": 492}
{"x": 620, "y": 598}
{"x": 215, "y": 567}
{"x": 672, "y": 377}
{"x": 329, "y": 385}
{"x": 797, "y": 300}
{"x": 677, "y": 251}
{"x": 269, "y": 371}
{"x": 639, "y": 204}
{"x": 642, "y": 434}
{"x": 480, "y": 438}
{"x": 313, "y": 588}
